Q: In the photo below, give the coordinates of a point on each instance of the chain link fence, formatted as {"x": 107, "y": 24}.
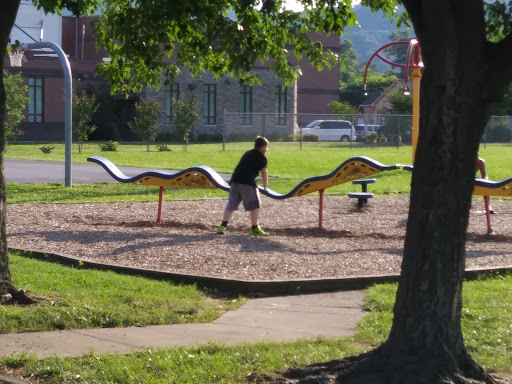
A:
{"x": 288, "y": 127}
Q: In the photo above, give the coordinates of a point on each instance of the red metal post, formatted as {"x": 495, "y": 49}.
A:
{"x": 321, "y": 209}
{"x": 488, "y": 213}
{"x": 160, "y": 200}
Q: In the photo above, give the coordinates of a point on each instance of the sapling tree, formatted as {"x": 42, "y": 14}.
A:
{"x": 84, "y": 108}
{"x": 16, "y": 101}
{"x": 145, "y": 125}
{"x": 185, "y": 116}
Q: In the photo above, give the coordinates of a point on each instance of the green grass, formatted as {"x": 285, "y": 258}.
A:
{"x": 486, "y": 319}
{"x": 86, "y": 298}
{"x": 287, "y": 162}
{"x": 487, "y": 315}
{"x": 208, "y": 364}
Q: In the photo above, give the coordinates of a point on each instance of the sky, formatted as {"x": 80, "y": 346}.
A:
{"x": 295, "y": 6}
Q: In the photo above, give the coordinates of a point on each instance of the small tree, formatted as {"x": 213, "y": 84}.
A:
{"x": 144, "y": 125}
{"x": 185, "y": 116}
{"x": 15, "y": 103}
{"x": 84, "y": 108}
{"x": 396, "y": 126}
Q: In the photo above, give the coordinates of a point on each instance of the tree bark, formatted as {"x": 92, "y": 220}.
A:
{"x": 7, "y": 18}
{"x": 464, "y": 78}
{"x": 458, "y": 92}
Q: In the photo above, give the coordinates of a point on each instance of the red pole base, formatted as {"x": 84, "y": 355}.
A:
{"x": 160, "y": 200}
{"x": 321, "y": 209}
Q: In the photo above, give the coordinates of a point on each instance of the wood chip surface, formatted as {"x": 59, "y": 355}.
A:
{"x": 353, "y": 242}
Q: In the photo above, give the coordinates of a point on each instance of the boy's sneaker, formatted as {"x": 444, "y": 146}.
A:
{"x": 257, "y": 231}
{"x": 221, "y": 230}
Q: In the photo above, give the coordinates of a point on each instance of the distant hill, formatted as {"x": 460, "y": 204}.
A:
{"x": 374, "y": 32}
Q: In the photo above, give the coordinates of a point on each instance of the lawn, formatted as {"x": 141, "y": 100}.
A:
{"x": 288, "y": 165}
{"x": 85, "y": 298}
{"x": 487, "y": 315}
{"x": 77, "y": 298}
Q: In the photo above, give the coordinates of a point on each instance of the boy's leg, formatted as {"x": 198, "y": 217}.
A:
{"x": 254, "y": 214}
{"x": 227, "y": 215}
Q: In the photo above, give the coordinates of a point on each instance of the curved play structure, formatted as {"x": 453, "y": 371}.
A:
{"x": 204, "y": 177}
{"x": 486, "y": 188}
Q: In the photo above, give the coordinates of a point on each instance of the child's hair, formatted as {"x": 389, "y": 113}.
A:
{"x": 260, "y": 142}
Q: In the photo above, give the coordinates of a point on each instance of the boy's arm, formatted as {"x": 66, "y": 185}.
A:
{"x": 264, "y": 177}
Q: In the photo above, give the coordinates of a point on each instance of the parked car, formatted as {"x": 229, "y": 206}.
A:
{"x": 331, "y": 130}
{"x": 363, "y": 130}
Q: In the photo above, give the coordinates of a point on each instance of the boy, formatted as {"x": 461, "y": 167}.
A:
{"x": 243, "y": 186}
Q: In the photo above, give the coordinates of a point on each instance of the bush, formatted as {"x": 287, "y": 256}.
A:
{"x": 310, "y": 137}
{"x": 383, "y": 140}
{"x": 109, "y": 146}
{"x": 371, "y": 138}
{"x": 46, "y": 149}
{"x": 163, "y": 148}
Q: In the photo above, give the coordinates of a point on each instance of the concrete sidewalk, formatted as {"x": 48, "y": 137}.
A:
{"x": 333, "y": 314}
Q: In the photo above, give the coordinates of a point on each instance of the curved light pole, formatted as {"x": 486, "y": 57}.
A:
{"x": 412, "y": 61}
{"x": 68, "y": 137}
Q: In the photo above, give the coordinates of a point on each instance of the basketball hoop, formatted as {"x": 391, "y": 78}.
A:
{"x": 16, "y": 58}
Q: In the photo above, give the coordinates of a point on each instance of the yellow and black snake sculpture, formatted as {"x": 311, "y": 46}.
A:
{"x": 204, "y": 177}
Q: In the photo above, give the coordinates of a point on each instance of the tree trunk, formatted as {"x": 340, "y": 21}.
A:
{"x": 7, "y": 17}
{"x": 462, "y": 83}
{"x": 458, "y": 92}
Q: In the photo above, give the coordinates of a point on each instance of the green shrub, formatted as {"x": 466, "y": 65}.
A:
{"x": 46, "y": 149}
{"x": 163, "y": 148}
{"x": 383, "y": 140}
{"x": 371, "y": 138}
{"x": 310, "y": 137}
{"x": 109, "y": 146}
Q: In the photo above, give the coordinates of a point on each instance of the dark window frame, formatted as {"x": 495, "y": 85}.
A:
{"x": 245, "y": 104}
{"x": 172, "y": 91}
{"x": 210, "y": 104}
{"x": 281, "y": 107}
{"x": 36, "y": 99}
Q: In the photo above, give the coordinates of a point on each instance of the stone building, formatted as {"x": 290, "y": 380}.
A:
{"x": 225, "y": 106}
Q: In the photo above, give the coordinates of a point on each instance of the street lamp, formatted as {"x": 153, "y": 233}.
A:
{"x": 412, "y": 61}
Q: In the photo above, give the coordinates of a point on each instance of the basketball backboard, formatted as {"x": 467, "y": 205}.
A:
{"x": 36, "y": 24}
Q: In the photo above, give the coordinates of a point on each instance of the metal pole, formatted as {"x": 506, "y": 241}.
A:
{"x": 68, "y": 85}
{"x": 224, "y": 132}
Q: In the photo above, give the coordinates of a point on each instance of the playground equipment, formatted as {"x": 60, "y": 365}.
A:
{"x": 486, "y": 188}
{"x": 204, "y": 177}
{"x": 413, "y": 60}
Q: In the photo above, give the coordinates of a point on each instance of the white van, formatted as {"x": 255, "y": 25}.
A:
{"x": 331, "y": 130}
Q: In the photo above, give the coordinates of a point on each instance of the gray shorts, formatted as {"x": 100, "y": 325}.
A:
{"x": 246, "y": 193}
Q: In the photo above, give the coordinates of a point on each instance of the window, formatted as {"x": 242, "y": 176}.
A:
{"x": 245, "y": 104}
{"x": 35, "y": 104}
{"x": 171, "y": 92}
{"x": 280, "y": 105}
{"x": 209, "y": 93}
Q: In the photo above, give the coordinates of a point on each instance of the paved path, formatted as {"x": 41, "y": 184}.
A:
{"x": 282, "y": 318}
{"x": 33, "y": 171}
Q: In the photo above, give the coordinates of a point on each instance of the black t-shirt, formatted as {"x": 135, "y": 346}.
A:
{"x": 249, "y": 167}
